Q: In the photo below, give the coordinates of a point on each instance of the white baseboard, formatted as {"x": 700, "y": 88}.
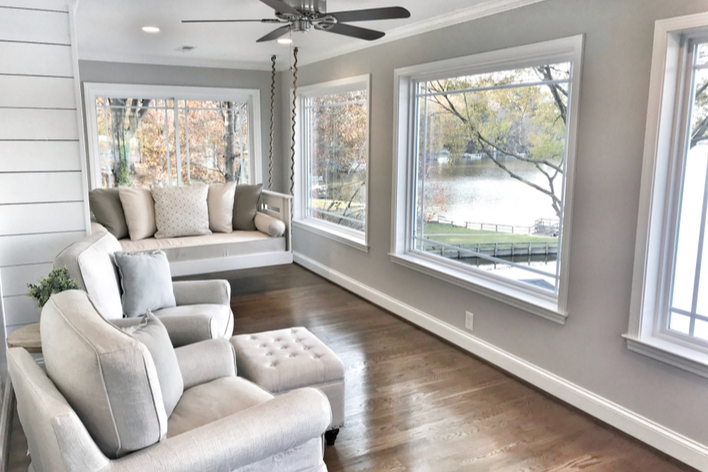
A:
{"x": 670, "y": 442}
{"x": 225, "y": 264}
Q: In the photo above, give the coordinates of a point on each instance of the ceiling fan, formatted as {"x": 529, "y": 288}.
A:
{"x": 302, "y": 15}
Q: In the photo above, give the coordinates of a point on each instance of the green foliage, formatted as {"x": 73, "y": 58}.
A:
{"x": 57, "y": 281}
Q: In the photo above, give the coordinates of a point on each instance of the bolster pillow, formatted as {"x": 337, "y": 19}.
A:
{"x": 269, "y": 225}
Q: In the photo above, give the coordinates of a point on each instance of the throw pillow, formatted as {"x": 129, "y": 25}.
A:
{"x": 221, "y": 207}
{"x": 146, "y": 281}
{"x": 269, "y": 225}
{"x": 152, "y": 333}
{"x": 106, "y": 207}
{"x": 139, "y": 209}
{"x": 246, "y": 205}
{"x": 181, "y": 211}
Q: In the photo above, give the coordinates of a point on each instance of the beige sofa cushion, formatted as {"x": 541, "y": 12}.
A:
{"x": 139, "y": 210}
{"x": 181, "y": 211}
{"x": 90, "y": 262}
{"x": 221, "y": 207}
{"x": 107, "y": 376}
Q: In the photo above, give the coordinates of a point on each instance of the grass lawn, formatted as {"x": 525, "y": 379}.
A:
{"x": 454, "y": 235}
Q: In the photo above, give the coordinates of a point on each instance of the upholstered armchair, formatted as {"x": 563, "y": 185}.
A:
{"x": 99, "y": 406}
{"x": 203, "y": 307}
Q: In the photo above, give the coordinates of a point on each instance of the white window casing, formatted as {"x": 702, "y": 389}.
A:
{"x": 301, "y": 218}
{"x": 670, "y": 101}
{"x": 552, "y": 306}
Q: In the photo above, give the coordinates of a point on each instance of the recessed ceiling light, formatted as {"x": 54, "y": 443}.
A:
{"x": 285, "y": 41}
{"x": 151, "y": 29}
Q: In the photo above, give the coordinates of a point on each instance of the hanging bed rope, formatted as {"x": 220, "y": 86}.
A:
{"x": 272, "y": 123}
{"x": 292, "y": 146}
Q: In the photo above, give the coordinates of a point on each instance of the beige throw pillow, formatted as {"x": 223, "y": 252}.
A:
{"x": 221, "y": 207}
{"x": 181, "y": 211}
{"x": 139, "y": 209}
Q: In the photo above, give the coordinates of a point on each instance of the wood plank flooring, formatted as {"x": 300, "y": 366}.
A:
{"x": 416, "y": 403}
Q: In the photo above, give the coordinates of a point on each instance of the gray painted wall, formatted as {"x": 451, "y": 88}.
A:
{"x": 118, "y": 73}
{"x": 589, "y": 349}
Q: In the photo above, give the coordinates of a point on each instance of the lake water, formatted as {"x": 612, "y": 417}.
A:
{"x": 478, "y": 191}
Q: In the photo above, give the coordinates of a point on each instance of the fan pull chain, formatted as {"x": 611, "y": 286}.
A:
{"x": 272, "y": 124}
{"x": 292, "y": 146}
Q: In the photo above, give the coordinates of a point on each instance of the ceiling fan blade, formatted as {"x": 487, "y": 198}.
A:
{"x": 265, "y": 20}
{"x": 281, "y": 7}
{"x": 355, "y": 32}
{"x": 390, "y": 13}
{"x": 275, "y": 34}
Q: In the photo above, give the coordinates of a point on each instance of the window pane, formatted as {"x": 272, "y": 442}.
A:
{"x": 702, "y": 55}
{"x": 692, "y": 201}
{"x": 336, "y": 154}
{"x": 218, "y": 142}
{"x": 701, "y": 330}
{"x": 491, "y": 171}
{"x": 680, "y": 323}
{"x": 136, "y": 136}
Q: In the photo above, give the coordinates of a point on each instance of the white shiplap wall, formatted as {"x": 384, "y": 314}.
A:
{"x": 43, "y": 185}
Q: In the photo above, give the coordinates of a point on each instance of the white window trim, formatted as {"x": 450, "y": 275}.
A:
{"x": 92, "y": 91}
{"x": 491, "y": 285}
{"x": 350, "y": 237}
{"x": 657, "y": 212}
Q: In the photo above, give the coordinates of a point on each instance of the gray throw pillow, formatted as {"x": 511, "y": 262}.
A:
{"x": 106, "y": 207}
{"x": 246, "y": 205}
{"x": 152, "y": 333}
{"x": 146, "y": 281}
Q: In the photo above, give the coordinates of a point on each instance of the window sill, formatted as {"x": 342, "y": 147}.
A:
{"x": 505, "y": 293}
{"x": 670, "y": 353}
{"x": 333, "y": 233}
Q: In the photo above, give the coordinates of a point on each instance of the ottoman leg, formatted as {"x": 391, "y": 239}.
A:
{"x": 331, "y": 436}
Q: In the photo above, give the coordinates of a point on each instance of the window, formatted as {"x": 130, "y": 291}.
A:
{"x": 333, "y": 156}
{"x": 485, "y": 160}
{"x": 669, "y": 313}
{"x": 178, "y": 136}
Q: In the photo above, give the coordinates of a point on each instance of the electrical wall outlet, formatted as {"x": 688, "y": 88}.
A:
{"x": 469, "y": 320}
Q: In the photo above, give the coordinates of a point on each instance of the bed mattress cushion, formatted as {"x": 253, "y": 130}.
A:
{"x": 213, "y": 246}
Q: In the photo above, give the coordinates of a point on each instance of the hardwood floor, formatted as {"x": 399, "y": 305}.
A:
{"x": 416, "y": 403}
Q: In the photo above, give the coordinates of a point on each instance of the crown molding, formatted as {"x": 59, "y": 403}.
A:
{"x": 481, "y": 10}
{"x": 174, "y": 61}
{"x": 46, "y": 5}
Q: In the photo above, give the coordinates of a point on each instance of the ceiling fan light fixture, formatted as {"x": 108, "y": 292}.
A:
{"x": 285, "y": 41}
{"x": 151, "y": 29}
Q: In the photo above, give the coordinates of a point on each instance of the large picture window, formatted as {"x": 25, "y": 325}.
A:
{"x": 178, "y": 136}
{"x": 669, "y": 311}
{"x": 334, "y": 157}
{"x": 486, "y": 165}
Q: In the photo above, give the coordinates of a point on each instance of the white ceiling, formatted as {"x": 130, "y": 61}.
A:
{"x": 110, "y": 30}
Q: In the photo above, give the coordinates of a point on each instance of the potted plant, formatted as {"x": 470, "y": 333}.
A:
{"x": 57, "y": 281}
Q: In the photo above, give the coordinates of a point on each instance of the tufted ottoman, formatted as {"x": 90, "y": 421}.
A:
{"x": 284, "y": 360}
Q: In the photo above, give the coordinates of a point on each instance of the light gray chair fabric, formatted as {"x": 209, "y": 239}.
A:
{"x": 221, "y": 423}
{"x": 90, "y": 262}
{"x": 107, "y": 376}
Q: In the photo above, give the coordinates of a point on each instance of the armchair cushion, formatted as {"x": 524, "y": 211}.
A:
{"x": 146, "y": 281}
{"x": 212, "y": 401}
{"x": 222, "y": 321}
{"x": 205, "y": 361}
{"x": 90, "y": 262}
{"x": 107, "y": 376}
{"x": 152, "y": 333}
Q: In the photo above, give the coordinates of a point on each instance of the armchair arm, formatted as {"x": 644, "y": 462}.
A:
{"x": 238, "y": 440}
{"x": 183, "y": 330}
{"x": 202, "y": 292}
{"x": 206, "y": 361}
